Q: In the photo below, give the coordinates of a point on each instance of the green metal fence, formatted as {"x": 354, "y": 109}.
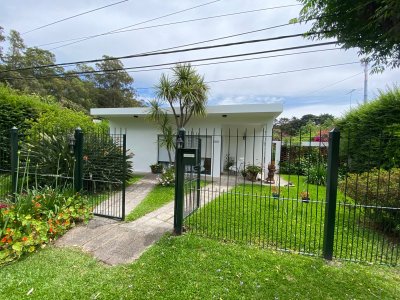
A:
{"x": 318, "y": 203}
{"x": 94, "y": 164}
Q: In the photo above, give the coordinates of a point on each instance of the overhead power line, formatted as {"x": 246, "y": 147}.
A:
{"x": 74, "y": 16}
{"x": 161, "y": 25}
{"x": 82, "y": 39}
{"x": 269, "y": 74}
{"x": 334, "y": 83}
{"x": 170, "y": 52}
{"x": 283, "y": 72}
{"x": 147, "y": 68}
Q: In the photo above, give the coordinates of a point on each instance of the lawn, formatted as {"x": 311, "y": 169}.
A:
{"x": 158, "y": 196}
{"x": 191, "y": 267}
{"x": 249, "y": 214}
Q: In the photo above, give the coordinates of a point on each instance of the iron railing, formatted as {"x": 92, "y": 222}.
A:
{"x": 306, "y": 209}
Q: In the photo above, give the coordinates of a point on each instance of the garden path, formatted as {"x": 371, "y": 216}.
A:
{"x": 114, "y": 242}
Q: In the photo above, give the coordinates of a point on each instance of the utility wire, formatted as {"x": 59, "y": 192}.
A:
{"x": 334, "y": 83}
{"x": 148, "y": 68}
{"x": 269, "y": 74}
{"x": 172, "y": 51}
{"x": 283, "y": 72}
{"x": 74, "y": 16}
{"x": 82, "y": 39}
{"x": 162, "y": 25}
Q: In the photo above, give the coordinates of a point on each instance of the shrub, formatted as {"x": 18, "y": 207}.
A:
{"x": 251, "y": 172}
{"x": 36, "y": 218}
{"x": 377, "y": 187}
{"x": 298, "y": 167}
{"x": 229, "y": 162}
{"x": 157, "y": 168}
{"x": 370, "y": 134}
{"x": 50, "y": 154}
{"x": 317, "y": 174}
{"x": 167, "y": 178}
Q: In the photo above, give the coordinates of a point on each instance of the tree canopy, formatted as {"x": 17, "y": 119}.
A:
{"x": 294, "y": 125}
{"x": 105, "y": 88}
{"x": 372, "y": 26}
{"x": 186, "y": 93}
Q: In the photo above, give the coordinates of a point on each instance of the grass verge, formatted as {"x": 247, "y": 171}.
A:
{"x": 191, "y": 267}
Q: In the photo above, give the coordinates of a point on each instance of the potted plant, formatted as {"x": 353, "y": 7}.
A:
{"x": 157, "y": 168}
{"x": 252, "y": 172}
{"x": 305, "y": 197}
{"x": 275, "y": 192}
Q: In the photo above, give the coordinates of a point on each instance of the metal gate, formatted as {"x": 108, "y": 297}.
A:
{"x": 187, "y": 185}
{"x": 91, "y": 163}
{"x": 104, "y": 170}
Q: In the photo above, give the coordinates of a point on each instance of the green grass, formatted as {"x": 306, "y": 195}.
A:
{"x": 249, "y": 214}
{"x": 191, "y": 267}
{"x": 135, "y": 178}
{"x": 158, "y": 196}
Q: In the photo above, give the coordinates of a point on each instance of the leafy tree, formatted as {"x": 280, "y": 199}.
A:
{"x": 186, "y": 93}
{"x": 372, "y": 26}
{"x": 77, "y": 92}
{"x": 115, "y": 87}
{"x": 2, "y": 39}
{"x": 15, "y": 50}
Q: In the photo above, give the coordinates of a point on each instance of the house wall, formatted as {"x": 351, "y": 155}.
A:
{"x": 142, "y": 140}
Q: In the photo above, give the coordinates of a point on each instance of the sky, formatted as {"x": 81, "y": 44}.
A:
{"x": 333, "y": 90}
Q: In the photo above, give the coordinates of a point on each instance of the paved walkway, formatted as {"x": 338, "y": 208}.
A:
{"x": 114, "y": 242}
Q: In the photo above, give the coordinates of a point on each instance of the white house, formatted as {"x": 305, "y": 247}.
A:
{"x": 242, "y": 132}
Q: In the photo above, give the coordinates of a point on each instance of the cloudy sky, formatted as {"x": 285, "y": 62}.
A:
{"x": 326, "y": 90}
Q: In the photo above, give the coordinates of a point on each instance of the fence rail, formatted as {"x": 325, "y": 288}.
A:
{"x": 296, "y": 204}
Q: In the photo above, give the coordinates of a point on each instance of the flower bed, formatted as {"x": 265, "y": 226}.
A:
{"x": 37, "y": 218}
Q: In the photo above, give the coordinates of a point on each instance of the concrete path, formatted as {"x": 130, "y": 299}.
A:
{"x": 114, "y": 242}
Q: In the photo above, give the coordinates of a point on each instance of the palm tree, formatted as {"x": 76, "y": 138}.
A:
{"x": 186, "y": 93}
{"x": 158, "y": 115}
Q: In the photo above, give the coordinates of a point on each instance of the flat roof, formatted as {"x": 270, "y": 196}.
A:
{"x": 240, "y": 109}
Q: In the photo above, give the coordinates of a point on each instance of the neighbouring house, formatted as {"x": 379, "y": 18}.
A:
{"x": 241, "y": 134}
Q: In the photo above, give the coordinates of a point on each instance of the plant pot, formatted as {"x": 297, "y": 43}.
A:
{"x": 275, "y": 195}
{"x": 156, "y": 169}
{"x": 252, "y": 177}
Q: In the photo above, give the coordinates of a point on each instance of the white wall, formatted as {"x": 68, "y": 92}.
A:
{"x": 141, "y": 139}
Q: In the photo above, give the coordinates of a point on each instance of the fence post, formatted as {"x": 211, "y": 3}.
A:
{"x": 198, "y": 172}
{"x": 78, "y": 170}
{"x": 123, "y": 174}
{"x": 179, "y": 183}
{"x": 331, "y": 193}
{"x": 14, "y": 161}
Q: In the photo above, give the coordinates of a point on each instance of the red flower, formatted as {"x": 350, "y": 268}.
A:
{"x": 4, "y": 240}
{"x": 24, "y": 239}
